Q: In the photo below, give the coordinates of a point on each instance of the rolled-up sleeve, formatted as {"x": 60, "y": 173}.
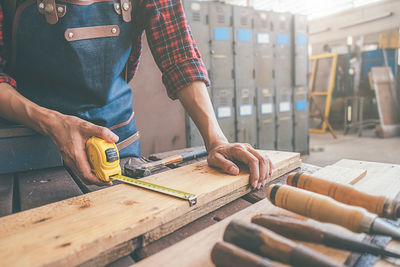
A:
{"x": 172, "y": 45}
{"x": 4, "y": 77}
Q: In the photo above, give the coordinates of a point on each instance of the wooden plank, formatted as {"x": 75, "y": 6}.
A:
{"x": 41, "y": 187}
{"x": 200, "y": 211}
{"x": 76, "y": 230}
{"x": 341, "y": 174}
{"x": 381, "y": 178}
{"x": 6, "y": 194}
{"x": 197, "y": 248}
{"x": 192, "y": 228}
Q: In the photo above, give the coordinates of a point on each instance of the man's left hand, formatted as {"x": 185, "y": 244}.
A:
{"x": 223, "y": 154}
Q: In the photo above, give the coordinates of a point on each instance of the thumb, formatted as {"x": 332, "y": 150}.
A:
{"x": 219, "y": 161}
{"x": 105, "y": 134}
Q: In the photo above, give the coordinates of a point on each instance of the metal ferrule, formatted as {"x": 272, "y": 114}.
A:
{"x": 383, "y": 228}
{"x": 367, "y": 222}
{"x": 390, "y": 209}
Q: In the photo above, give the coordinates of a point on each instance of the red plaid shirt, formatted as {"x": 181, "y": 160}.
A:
{"x": 170, "y": 40}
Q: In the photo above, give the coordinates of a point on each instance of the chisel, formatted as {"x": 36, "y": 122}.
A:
{"x": 266, "y": 243}
{"x": 347, "y": 194}
{"x": 225, "y": 254}
{"x": 300, "y": 230}
{"x": 326, "y": 209}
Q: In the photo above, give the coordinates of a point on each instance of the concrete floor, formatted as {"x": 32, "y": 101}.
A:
{"x": 324, "y": 150}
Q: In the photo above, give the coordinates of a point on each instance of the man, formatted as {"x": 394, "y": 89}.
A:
{"x": 63, "y": 76}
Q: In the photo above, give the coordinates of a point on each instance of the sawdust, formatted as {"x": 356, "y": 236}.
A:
{"x": 82, "y": 202}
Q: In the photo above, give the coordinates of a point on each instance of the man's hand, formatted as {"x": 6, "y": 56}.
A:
{"x": 70, "y": 134}
{"x": 223, "y": 154}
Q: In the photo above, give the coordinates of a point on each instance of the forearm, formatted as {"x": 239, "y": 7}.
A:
{"x": 15, "y": 107}
{"x": 197, "y": 103}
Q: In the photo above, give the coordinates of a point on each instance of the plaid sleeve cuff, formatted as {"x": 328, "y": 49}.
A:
{"x": 4, "y": 78}
{"x": 184, "y": 73}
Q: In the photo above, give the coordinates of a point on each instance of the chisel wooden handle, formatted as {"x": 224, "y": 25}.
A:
{"x": 276, "y": 247}
{"x": 346, "y": 194}
{"x": 290, "y": 228}
{"x": 302, "y": 230}
{"x": 321, "y": 208}
{"x": 228, "y": 255}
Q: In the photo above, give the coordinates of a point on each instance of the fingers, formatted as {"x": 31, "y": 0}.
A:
{"x": 77, "y": 165}
{"x": 263, "y": 166}
{"x": 241, "y": 153}
{"x": 260, "y": 167}
{"x": 104, "y": 133}
{"x": 85, "y": 171}
{"x": 219, "y": 161}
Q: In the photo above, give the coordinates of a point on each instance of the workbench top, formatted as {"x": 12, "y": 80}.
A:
{"x": 27, "y": 190}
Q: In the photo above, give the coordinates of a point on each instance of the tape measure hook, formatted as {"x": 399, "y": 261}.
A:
{"x": 192, "y": 200}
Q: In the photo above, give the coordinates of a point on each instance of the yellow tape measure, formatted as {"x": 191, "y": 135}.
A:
{"x": 104, "y": 161}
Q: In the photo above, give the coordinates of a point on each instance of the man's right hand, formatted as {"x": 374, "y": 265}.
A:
{"x": 70, "y": 134}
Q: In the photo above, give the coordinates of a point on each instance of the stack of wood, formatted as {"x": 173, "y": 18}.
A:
{"x": 382, "y": 81}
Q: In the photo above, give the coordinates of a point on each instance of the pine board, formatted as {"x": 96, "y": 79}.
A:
{"x": 76, "y": 230}
{"x": 341, "y": 174}
{"x": 197, "y": 248}
{"x": 381, "y": 178}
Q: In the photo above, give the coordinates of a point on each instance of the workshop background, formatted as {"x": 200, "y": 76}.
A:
{"x": 288, "y": 75}
{"x": 319, "y": 77}
{"x": 316, "y": 77}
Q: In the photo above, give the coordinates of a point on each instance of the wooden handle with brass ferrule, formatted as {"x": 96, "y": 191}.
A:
{"x": 321, "y": 208}
{"x": 346, "y": 194}
{"x": 290, "y": 227}
{"x": 226, "y": 254}
{"x": 274, "y": 246}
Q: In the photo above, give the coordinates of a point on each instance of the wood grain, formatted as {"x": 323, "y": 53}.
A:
{"x": 341, "y": 174}
{"x": 76, "y": 230}
{"x": 344, "y": 193}
{"x": 381, "y": 178}
{"x": 318, "y": 207}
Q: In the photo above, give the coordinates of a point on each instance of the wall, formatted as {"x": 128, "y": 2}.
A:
{"x": 160, "y": 120}
{"x": 367, "y": 21}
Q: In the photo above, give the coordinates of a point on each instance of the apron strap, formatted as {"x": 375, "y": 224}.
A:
{"x": 50, "y": 10}
{"x": 128, "y": 141}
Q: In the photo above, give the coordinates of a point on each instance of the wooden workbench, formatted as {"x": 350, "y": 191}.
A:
{"x": 28, "y": 190}
{"x": 22, "y": 191}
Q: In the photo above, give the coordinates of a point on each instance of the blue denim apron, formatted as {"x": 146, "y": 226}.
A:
{"x": 80, "y": 77}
